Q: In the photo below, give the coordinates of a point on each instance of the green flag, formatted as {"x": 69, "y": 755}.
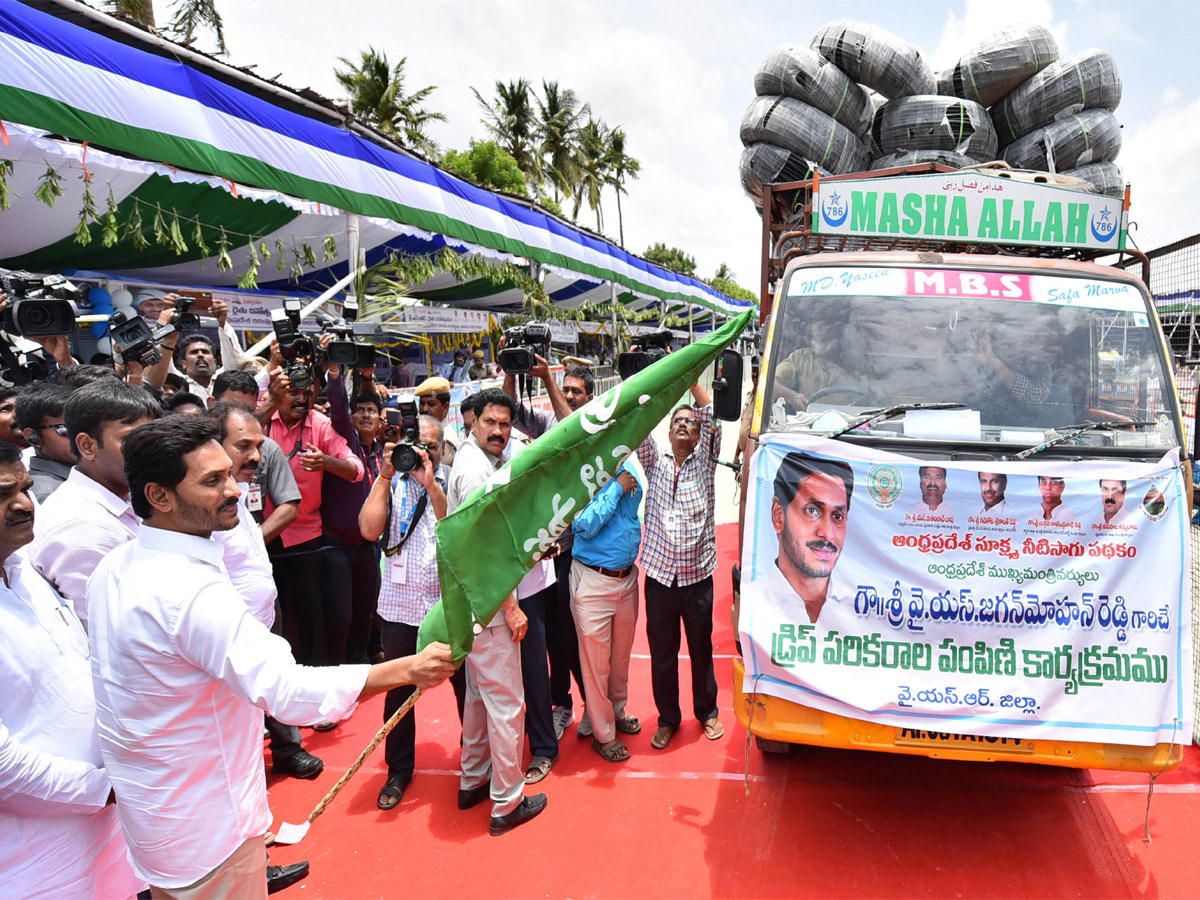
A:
{"x": 488, "y": 544}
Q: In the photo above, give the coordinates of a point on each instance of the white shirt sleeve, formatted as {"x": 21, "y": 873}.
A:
{"x": 232, "y": 356}
{"x": 37, "y": 784}
{"x": 215, "y": 631}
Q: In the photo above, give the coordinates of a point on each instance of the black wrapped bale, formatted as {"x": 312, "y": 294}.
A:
{"x": 1105, "y": 177}
{"x": 1087, "y": 80}
{"x": 875, "y": 57}
{"x": 804, "y": 130}
{"x": 992, "y": 69}
{"x": 913, "y": 157}
{"x": 796, "y": 71}
{"x": 1091, "y": 136}
{"x": 764, "y": 163}
{"x": 928, "y": 122}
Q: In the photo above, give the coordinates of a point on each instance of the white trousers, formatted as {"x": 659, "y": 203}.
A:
{"x": 605, "y": 611}
{"x": 494, "y": 717}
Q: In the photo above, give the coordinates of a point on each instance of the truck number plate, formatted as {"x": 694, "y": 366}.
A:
{"x": 910, "y": 737}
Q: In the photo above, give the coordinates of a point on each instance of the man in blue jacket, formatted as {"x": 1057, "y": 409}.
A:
{"x": 604, "y": 603}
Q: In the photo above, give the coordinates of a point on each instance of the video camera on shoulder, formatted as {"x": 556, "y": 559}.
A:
{"x": 38, "y": 305}
{"x": 404, "y": 417}
{"x": 522, "y": 345}
{"x": 295, "y": 348}
{"x": 138, "y": 342}
{"x": 651, "y": 348}
{"x": 345, "y": 349}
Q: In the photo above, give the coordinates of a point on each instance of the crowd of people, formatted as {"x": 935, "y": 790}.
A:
{"x": 188, "y": 546}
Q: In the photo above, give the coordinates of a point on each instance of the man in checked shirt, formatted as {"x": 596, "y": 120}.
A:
{"x": 679, "y": 554}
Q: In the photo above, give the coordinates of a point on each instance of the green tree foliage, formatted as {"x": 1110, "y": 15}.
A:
{"x": 377, "y": 96}
{"x": 559, "y": 116}
{"x": 671, "y": 258}
{"x": 592, "y": 156}
{"x": 510, "y": 118}
{"x": 188, "y": 17}
{"x": 486, "y": 165}
{"x": 620, "y": 166}
{"x": 724, "y": 280}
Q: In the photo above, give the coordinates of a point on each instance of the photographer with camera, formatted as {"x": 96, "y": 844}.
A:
{"x": 317, "y": 625}
{"x": 352, "y": 563}
{"x": 403, "y": 508}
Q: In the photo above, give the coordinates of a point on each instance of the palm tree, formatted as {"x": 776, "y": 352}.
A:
{"x": 511, "y": 121}
{"x": 592, "y": 156}
{"x": 190, "y": 17}
{"x": 377, "y": 96}
{"x": 620, "y": 166}
{"x": 559, "y": 114}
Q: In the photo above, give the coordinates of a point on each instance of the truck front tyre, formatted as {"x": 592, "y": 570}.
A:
{"x": 766, "y": 745}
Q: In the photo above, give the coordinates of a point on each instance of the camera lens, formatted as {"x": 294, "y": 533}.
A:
{"x": 404, "y": 458}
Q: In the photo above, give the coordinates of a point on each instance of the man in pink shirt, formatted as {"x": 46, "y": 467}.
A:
{"x": 314, "y": 450}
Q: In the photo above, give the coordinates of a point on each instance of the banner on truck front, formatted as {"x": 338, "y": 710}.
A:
{"x": 967, "y": 206}
{"x": 1033, "y": 599}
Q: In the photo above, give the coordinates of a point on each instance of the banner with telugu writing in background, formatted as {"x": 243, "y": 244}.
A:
{"x": 1049, "y": 614}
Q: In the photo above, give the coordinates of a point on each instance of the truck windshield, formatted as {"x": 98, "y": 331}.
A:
{"x": 1023, "y": 353}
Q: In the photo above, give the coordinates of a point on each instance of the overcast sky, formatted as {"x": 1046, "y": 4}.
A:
{"x": 677, "y": 76}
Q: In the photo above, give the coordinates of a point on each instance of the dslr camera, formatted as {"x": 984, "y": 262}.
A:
{"x": 38, "y": 305}
{"x": 651, "y": 348}
{"x": 295, "y": 348}
{"x": 521, "y": 345}
{"x": 404, "y": 454}
{"x": 138, "y": 343}
{"x": 345, "y": 350}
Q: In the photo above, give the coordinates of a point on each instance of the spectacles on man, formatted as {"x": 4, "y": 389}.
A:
{"x": 60, "y": 428}
{"x": 689, "y": 421}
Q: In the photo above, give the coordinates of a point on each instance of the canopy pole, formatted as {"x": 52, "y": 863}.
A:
{"x": 612, "y": 288}
{"x": 691, "y": 316}
{"x": 353, "y": 247}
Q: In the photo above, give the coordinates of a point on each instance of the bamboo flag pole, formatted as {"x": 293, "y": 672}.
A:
{"x": 293, "y": 834}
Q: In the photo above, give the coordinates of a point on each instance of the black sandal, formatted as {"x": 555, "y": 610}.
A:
{"x": 391, "y": 792}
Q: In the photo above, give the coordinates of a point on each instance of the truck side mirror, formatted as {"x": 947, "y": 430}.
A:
{"x": 727, "y": 386}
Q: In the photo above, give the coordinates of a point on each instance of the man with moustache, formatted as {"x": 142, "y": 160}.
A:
{"x": 809, "y": 513}
{"x": 493, "y": 714}
{"x": 183, "y": 671}
{"x": 933, "y": 493}
{"x": 249, "y": 565}
{"x": 313, "y": 449}
{"x": 1052, "y": 509}
{"x": 433, "y": 395}
{"x": 992, "y": 486}
{"x": 679, "y": 555}
{"x": 59, "y": 831}
{"x": 1112, "y": 498}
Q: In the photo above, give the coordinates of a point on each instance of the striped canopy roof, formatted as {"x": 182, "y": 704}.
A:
{"x": 226, "y": 158}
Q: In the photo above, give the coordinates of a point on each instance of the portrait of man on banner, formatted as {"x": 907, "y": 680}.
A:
{"x": 809, "y": 513}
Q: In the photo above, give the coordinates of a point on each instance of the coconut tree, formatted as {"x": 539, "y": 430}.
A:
{"x": 620, "y": 166}
{"x": 377, "y": 96}
{"x": 512, "y": 121}
{"x": 189, "y": 17}
{"x": 559, "y": 114}
{"x": 592, "y": 156}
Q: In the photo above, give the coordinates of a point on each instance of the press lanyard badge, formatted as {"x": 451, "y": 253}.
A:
{"x": 398, "y": 567}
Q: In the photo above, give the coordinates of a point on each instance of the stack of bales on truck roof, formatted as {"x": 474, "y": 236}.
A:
{"x": 859, "y": 97}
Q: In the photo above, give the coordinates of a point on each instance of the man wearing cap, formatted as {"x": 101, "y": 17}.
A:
{"x": 433, "y": 395}
{"x": 480, "y": 369}
{"x": 456, "y": 371}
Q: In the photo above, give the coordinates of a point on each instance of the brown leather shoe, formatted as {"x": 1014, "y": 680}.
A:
{"x": 713, "y": 729}
{"x": 662, "y": 737}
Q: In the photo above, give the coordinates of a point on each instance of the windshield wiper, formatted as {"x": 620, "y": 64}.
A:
{"x": 879, "y": 415}
{"x": 1075, "y": 431}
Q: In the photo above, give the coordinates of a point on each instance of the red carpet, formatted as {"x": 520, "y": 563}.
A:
{"x": 679, "y": 823}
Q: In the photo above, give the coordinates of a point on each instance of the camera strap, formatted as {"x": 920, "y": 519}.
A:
{"x": 407, "y": 526}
